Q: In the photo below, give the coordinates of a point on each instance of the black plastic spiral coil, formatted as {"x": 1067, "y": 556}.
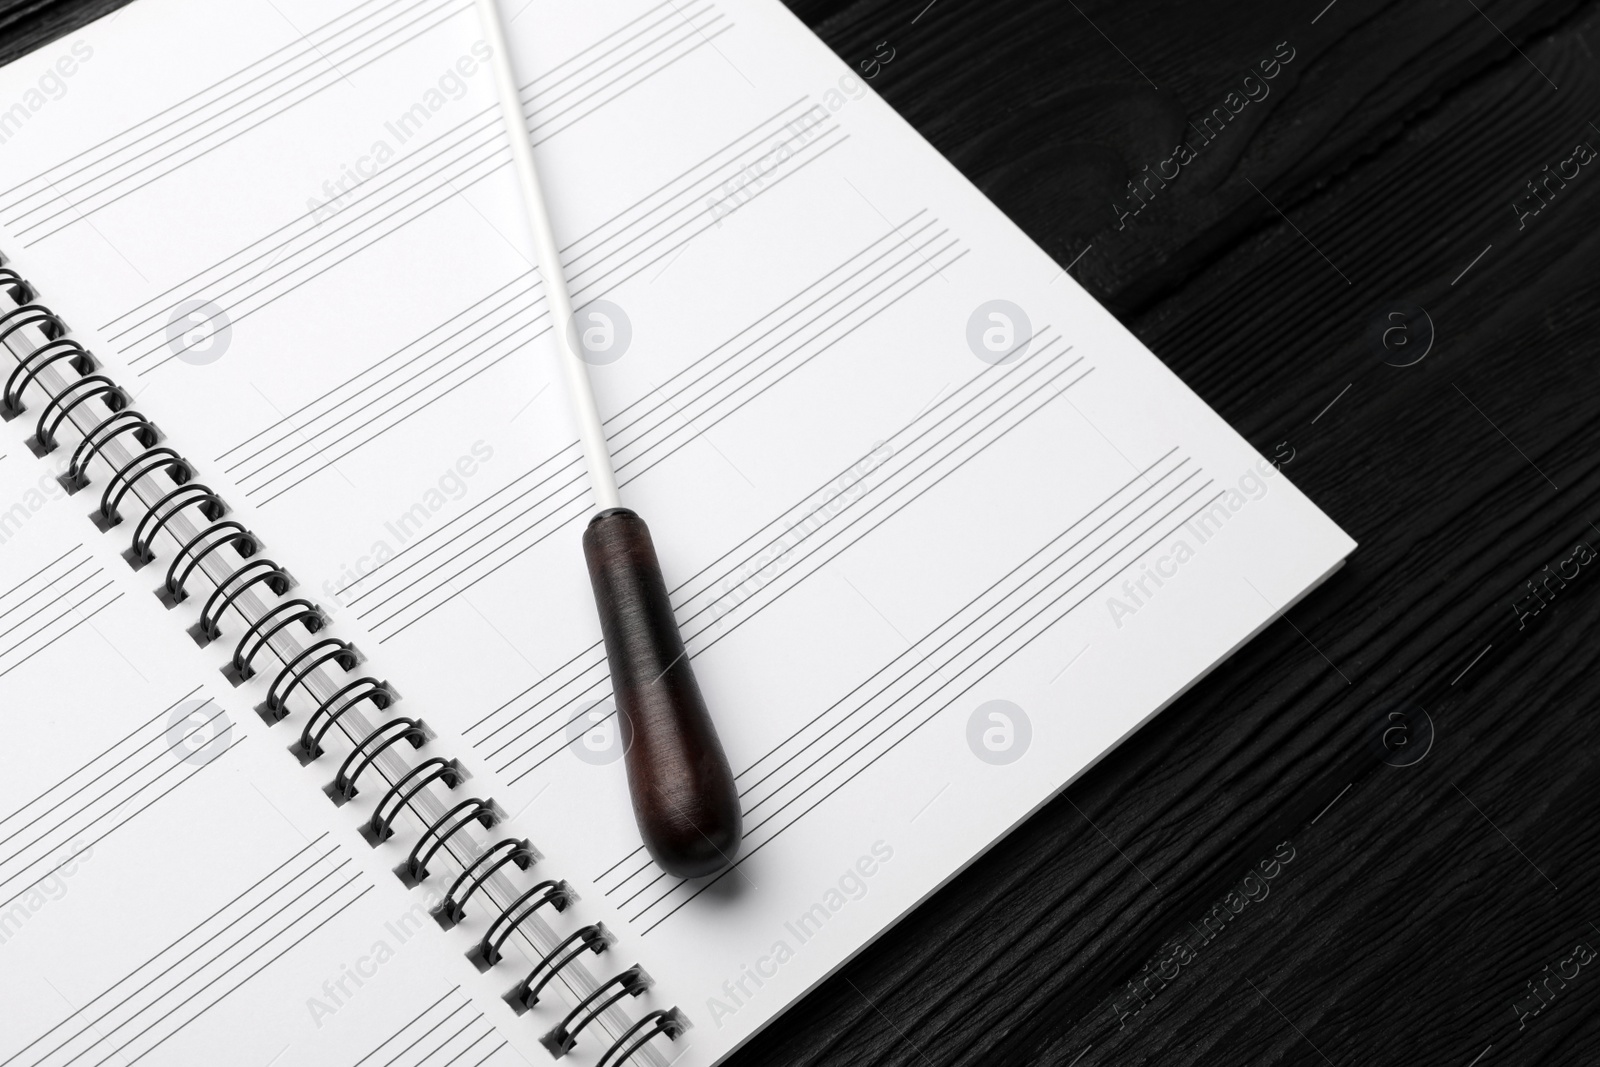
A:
{"x": 486, "y": 953}
{"x": 255, "y": 572}
{"x": 78, "y": 357}
{"x": 63, "y": 404}
{"x": 296, "y": 672}
{"x": 101, "y": 434}
{"x": 473, "y": 809}
{"x": 252, "y": 571}
{"x": 15, "y": 286}
{"x": 453, "y": 908}
{"x": 525, "y": 994}
{"x": 241, "y": 668}
{"x": 122, "y": 480}
{"x": 309, "y": 747}
{"x": 174, "y": 590}
{"x": 669, "y": 1023}
{"x": 35, "y": 315}
{"x": 380, "y": 739}
{"x": 563, "y": 1037}
{"x": 160, "y": 513}
{"x": 447, "y": 772}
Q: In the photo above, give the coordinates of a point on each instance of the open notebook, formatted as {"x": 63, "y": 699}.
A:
{"x": 348, "y": 790}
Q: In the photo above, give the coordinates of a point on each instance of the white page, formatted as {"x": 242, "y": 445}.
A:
{"x": 873, "y": 532}
{"x": 169, "y": 892}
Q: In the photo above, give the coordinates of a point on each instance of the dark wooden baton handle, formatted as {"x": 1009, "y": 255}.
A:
{"x": 682, "y": 788}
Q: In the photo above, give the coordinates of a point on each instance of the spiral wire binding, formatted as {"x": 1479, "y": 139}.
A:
{"x": 329, "y": 650}
{"x": 43, "y": 441}
{"x": 556, "y": 894}
{"x": 125, "y": 477}
{"x": 380, "y": 827}
{"x": 118, "y": 422}
{"x": 130, "y": 447}
{"x": 415, "y": 868}
{"x": 257, "y": 571}
{"x": 525, "y": 994}
{"x": 453, "y": 909}
{"x": 162, "y": 511}
{"x": 387, "y": 734}
{"x": 309, "y": 747}
{"x": 174, "y": 590}
{"x": 38, "y": 360}
{"x": 630, "y": 983}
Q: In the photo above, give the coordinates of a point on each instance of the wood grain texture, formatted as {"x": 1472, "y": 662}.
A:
{"x": 684, "y": 799}
{"x": 1384, "y": 166}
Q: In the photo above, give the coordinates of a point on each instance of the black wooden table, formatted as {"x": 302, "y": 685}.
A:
{"x": 1371, "y": 836}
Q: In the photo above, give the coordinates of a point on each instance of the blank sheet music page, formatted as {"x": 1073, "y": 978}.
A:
{"x": 941, "y": 532}
{"x": 169, "y": 894}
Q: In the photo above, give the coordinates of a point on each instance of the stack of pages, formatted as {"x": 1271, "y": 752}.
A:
{"x": 940, "y": 532}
